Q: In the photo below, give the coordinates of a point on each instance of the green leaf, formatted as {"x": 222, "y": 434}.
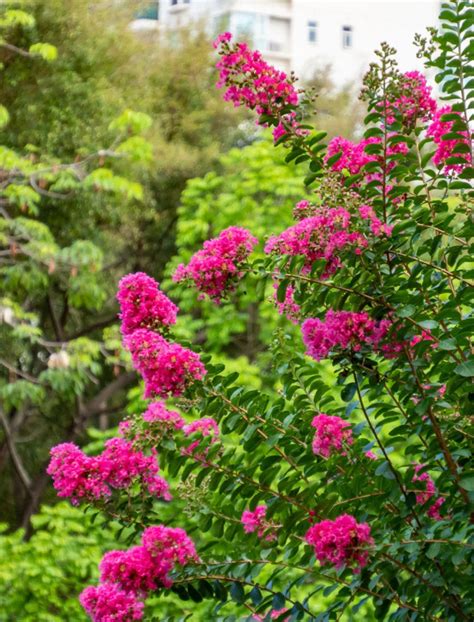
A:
{"x": 46, "y": 51}
{"x": 465, "y": 369}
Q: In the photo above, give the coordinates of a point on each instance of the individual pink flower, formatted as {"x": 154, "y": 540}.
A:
{"x": 216, "y": 269}
{"x": 446, "y": 147}
{"x": 325, "y": 235}
{"x": 344, "y": 330}
{"x": 332, "y": 434}
{"x": 256, "y": 521}
{"x": 157, "y": 413}
{"x": 370, "y": 455}
{"x": 206, "y": 427}
{"x": 109, "y": 603}
{"x": 167, "y": 368}
{"x": 143, "y": 304}
{"x": 341, "y": 542}
{"x": 430, "y": 491}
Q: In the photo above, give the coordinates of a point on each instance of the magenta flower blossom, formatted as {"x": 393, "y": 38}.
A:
{"x": 256, "y": 521}
{"x": 344, "y": 330}
{"x": 251, "y": 81}
{"x": 353, "y": 156}
{"x": 415, "y": 102}
{"x": 288, "y": 307}
{"x": 205, "y": 427}
{"x": 216, "y": 268}
{"x": 323, "y": 236}
{"x": 135, "y": 570}
{"x": 121, "y": 464}
{"x": 157, "y": 413}
{"x": 109, "y": 603}
{"x": 332, "y": 433}
{"x": 143, "y": 304}
{"x": 75, "y": 475}
{"x": 91, "y": 478}
{"x": 172, "y": 543}
{"x": 167, "y": 368}
{"x": 428, "y": 493}
{"x": 341, "y": 542}
{"x": 446, "y": 148}
{"x": 128, "y": 576}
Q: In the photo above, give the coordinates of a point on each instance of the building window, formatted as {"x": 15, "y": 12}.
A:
{"x": 312, "y": 32}
{"x": 176, "y": 2}
{"x": 173, "y": 2}
{"x": 347, "y": 32}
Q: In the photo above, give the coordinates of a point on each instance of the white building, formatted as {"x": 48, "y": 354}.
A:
{"x": 302, "y": 35}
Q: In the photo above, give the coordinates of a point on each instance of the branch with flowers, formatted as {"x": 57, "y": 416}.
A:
{"x": 316, "y": 502}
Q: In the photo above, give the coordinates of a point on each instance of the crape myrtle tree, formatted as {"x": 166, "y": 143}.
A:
{"x": 304, "y": 507}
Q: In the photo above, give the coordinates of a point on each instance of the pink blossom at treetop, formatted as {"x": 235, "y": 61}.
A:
{"x": 167, "y": 368}
{"x": 158, "y": 413}
{"x": 446, "y": 148}
{"x": 332, "y": 433}
{"x": 341, "y": 542}
{"x": 415, "y": 101}
{"x": 216, "y": 268}
{"x": 342, "y": 329}
{"x": 107, "y": 602}
{"x": 250, "y": 80}
{"x": 143, "y": 304}
{"x": 322, "y": 236}
{"x": 256, "y": 521}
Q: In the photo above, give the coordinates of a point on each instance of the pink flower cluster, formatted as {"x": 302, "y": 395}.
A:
{"x": 377, "y": 227}
{"x": 446, "y": 148}
{"x": 127, "y": 576}
{"x": 332, "y": 433}
{"x": 205, "y": 427}
{"x": 415, "y": 101}
{"x": 251, "y": 81}
{"x": 143, "y": 304}
{"x": 322, "y": 236}
{"x": 256, "y": 521}
{"x": 353, "y": 156}
{"x": 288, "y": 307}
{"x": 429, "y": 493}
{"x": 88, "y": 478}
{"x": 342, "y": 542}
{"x": 344, "y": 330}
{"x": 158, "y": 413}
{"x": 167, "y": 368}
{"x": 109, "y": 603}
{"x": 216, "y": 268}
